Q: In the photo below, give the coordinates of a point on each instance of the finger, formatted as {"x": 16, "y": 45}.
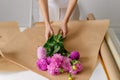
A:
{"x": 51, "y": 32}
{"x": 60, "y": 31}
{"x": 47, "y": 36}
{"x": 64, "y": 34}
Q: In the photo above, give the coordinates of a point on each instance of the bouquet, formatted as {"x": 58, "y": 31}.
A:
{"x": 55, "y": 59}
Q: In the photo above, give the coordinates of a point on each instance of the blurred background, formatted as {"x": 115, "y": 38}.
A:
{"x": 22, "y": 10}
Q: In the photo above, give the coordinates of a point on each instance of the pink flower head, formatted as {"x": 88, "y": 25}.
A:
{"x": 78, "y": 69}
{"x": 41, "y": 52}
{"x": 42, "y": 64}
{"x": 74, "y": 55}
{"x": 53, "y": 69}
{"x": 57, "y": 59}
{"x": 48, "y": 60}
{"x": 66, "y": 64}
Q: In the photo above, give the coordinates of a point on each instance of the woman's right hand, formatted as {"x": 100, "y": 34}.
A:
{"x": 48, "y": 31}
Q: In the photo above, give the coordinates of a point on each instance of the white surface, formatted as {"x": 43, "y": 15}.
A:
{"x": 98, "y": 74}
{"x": 23, "y": 75}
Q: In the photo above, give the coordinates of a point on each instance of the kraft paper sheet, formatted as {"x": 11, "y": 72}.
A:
{"x": 7, "y": 31}
{"x": 84, "y": 36}
{"x": 106, "y": 58}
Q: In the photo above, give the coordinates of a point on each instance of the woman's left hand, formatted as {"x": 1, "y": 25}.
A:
{"x": 63, "y": 29}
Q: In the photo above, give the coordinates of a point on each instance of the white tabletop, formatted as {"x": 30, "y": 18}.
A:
{"x": 98, "y": 74}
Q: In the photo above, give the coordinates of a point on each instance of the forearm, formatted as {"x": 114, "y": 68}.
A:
{"x": 43, "y": 4}
{"x": 70, "y": 9}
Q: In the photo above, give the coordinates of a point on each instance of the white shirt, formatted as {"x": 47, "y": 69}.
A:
{"x": 58, "y": 3}
{"x": 57, "y": 10}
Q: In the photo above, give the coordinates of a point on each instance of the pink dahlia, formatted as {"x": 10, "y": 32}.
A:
{"x": 74, "y": 55}
{"x": 76, "y": 68}
{"x": 48, "y": 60}
{"x": 53, "y": 69}
{"x": 57, "y": 59}
{"x": 42, "y": 64}
{"x": 41, "y": 52}
{"x": 66, "y": 64}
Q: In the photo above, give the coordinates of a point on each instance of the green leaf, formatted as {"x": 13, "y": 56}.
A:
{"x": 56, "y": 49}
{"x": 61, "y": 70}
{"x": 54, "y": 45}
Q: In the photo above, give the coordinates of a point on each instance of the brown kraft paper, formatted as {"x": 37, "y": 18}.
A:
{"x": 84, "y": 36}
{"x": 7, "y": 31}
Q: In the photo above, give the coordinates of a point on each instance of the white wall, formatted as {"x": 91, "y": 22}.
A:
{"x": 102, "y": 9}
{"x": 16, "y": 10}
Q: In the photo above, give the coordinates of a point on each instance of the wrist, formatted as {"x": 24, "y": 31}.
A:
{"x": 47, "y": 24}
{"x": 64, "y": 22}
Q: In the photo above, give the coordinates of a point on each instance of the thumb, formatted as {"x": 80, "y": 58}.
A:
{"x": 51, "y": 32}
{"x": 47, "y": 36}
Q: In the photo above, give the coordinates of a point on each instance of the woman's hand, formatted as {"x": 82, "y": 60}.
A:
{"x": 44, "y": 8}
{"x": 63, "y": 29}
{"x": 48, "y": 31}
